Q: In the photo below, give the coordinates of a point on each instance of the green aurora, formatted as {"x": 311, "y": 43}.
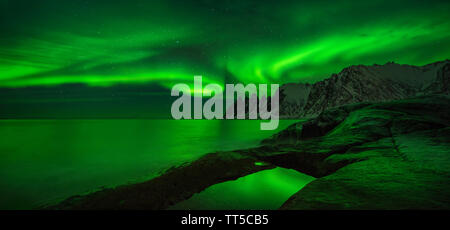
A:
{"x": 104, "y": 43}
{"x": 79, "y": 78}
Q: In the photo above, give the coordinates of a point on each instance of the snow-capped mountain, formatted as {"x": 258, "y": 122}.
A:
{"x": 362, "y": 83}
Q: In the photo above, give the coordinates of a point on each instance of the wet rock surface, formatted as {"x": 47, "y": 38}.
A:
{"x": 175, "y": 185}
{"x": 393, "y": 155}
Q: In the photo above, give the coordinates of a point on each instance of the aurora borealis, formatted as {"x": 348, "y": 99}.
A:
{"x": 104, "y": 43}
{"x": 86, "y": 103}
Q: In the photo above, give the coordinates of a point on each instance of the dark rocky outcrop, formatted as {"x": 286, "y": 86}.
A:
{"x": 175, "y": 185}
{"x": 393, "y": 155}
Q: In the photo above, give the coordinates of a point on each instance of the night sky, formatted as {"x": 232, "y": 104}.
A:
{"x": 106, "y": 43}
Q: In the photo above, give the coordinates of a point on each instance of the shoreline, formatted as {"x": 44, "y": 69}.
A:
{"x": 359, "y": 147}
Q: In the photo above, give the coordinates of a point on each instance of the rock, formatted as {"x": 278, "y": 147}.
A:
{"x": 442, "y": 83}
{"x": 410, "y": 173}
{"x": 175, "y": 185}
{"x": 393, "y": 155}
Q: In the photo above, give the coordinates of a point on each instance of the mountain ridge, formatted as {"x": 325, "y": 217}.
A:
{"x": 362, "y": 83}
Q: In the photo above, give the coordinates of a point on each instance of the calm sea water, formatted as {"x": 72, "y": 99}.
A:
{"x": 44, "y": 161}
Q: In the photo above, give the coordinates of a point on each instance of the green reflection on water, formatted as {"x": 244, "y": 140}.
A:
{"x": 267, "y": 189}
{"x": 44, "y": 161}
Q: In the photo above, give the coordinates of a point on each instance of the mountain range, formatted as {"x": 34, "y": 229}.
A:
{"x": 354, "y": 84}
{"x": 360, "y": 83}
